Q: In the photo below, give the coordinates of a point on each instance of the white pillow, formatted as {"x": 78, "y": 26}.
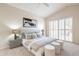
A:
{"x": 31, "y": 36}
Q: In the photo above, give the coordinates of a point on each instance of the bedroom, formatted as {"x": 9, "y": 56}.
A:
{"x": 50, "y": 20}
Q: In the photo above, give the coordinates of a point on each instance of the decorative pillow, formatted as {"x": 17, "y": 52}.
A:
{"x": 34, "y": 36}
{"x": 23, "y": 36}
{"x": 31, "y": 36}
{"x": 39, "y": 35}
{"x": 28, "y": 36}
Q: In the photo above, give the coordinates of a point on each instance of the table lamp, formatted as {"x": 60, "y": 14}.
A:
{"x": 15, "y": 32}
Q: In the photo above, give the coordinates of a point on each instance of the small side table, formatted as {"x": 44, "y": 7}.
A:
{"x": 15, "y": 43}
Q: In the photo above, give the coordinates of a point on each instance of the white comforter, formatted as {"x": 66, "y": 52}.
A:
{"x": 37, "y": 43}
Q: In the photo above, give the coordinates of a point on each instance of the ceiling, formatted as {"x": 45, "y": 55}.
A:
{"x": 40, "y": 9}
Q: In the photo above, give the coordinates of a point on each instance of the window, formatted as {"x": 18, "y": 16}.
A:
{"x": 61, "y": 29}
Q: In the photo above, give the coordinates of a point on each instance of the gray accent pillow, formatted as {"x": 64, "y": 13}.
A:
{"x": 31, "y": 36}
{"x": 23, "y": 36}
{"x": 34, "y": 36}
{"x": 39, "y": 35}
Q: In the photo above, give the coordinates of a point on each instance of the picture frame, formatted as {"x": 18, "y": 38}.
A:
{"x": 29, "y": 23}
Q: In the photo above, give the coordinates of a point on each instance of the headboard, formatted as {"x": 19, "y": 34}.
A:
{"x": 30, "y": 33}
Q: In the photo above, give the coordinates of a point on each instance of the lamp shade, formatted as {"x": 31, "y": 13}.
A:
{"x": 15, "y": 31}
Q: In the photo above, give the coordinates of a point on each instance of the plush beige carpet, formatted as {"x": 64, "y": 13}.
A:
{"x": 70, "y": 49}
{"x": 20, "y": 51}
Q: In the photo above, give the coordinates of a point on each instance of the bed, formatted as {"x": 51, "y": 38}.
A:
{"x": 36, "y": 46}
{"x": 35, "y": 42}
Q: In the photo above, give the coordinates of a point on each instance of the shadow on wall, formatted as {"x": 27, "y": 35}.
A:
{"x": 4, "y": 34}
{"x": 6, "y": 28}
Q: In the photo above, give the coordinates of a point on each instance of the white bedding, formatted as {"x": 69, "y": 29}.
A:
{"x": 36, "y": 44}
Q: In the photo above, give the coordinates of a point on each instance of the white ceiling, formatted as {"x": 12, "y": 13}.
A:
{"x": 40, "y": 9}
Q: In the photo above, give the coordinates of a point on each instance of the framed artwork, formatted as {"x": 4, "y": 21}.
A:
{"x": 29, "y": 23}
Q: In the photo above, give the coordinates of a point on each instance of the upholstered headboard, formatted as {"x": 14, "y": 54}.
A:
{"x": 30, "y": 33}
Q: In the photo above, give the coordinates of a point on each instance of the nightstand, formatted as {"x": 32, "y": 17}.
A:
{"x": 15, "y": 43}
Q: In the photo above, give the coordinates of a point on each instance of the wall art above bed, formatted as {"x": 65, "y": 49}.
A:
{"x": 29, "y": 23}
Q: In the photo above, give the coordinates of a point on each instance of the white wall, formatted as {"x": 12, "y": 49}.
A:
{"x": 71, "y": 11}
{"x": 12, "y": 18}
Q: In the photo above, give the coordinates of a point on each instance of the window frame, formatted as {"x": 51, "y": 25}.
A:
{"x": 65, "y": 30}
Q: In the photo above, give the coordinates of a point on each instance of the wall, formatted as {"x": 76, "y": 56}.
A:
{"x": 12, "y": 18}
{"x": 69, "y": 11}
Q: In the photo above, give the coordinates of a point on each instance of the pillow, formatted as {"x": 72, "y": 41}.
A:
{"x": 28, "y": 36}
{"x": 39, "y": 35}
{"x": 31, "y": 36}
{"x": 23, "y": 36}
{"x": 34, "y": 36}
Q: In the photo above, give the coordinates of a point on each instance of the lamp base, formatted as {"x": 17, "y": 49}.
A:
{"x": 15, "y": 36}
